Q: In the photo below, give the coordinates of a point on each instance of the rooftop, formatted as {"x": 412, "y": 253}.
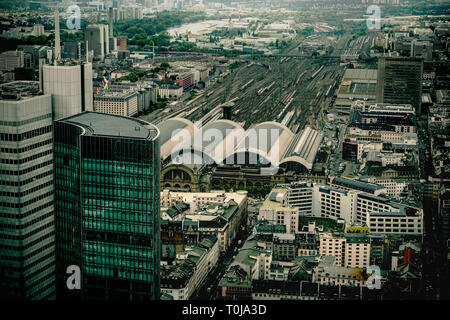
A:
{"x": 357, "y": 185}
{"x": 19, "y": 90}
{"x": 103, "y": 124}
{"x": 361, "y": 74}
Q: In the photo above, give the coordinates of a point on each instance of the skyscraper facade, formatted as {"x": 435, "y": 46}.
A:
{"x": 27, "y": 220}
{"x": 107, "y": 170}
{"x": 400, "y": 81}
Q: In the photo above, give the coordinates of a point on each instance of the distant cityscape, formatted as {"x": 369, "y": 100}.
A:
{"x": 224, "y": 150}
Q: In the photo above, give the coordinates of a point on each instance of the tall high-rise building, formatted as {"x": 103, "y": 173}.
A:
{"x": 111, "y": 21}
{"x": 400, "y": 81}
{"x": 107, "y": 201}
{"x": 70, "y": 85}
{"x": 27, "y": 220}
{"x": 112, "y": 40}
{"x": 97, "y": 36}
{"x": 57, "y": 56}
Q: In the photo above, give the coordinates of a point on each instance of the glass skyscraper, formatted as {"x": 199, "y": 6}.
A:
{"x": 400, "y": 81}
{"x": 107, "y": 173}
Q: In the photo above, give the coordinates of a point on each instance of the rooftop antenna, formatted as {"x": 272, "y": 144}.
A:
{"x": 57, "y": 37}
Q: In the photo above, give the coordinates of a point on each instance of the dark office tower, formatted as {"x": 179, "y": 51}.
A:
{"x": 27, "y": 221}
{"x": 400, "y": 81}
{"x": 227, "y": 110}
{"x": 107, "y": 171}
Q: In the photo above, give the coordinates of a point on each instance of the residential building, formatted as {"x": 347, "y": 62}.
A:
{"x": 185, "y": 80}
{"x": 188, "y": 272}
{"x": 168, "y": 91}
{"x": 328, "y": 273}
{"x": 251, "y": 263}
{"x": 218, "y": 213}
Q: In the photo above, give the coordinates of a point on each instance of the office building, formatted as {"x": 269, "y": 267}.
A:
{"x": 122, "y": 103}
{"x": 70, "y": 85}
{"x": 422, "y": 49}
{"x": 400, "y": 81}
{"x": 346, "y": 202}
{"x": 27, "y": 222}
{"x": 107, "y": 204}
{"x": 10, "y": 60}
{"x": 97, "y": 37}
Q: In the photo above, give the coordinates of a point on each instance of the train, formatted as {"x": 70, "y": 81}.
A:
{"x": 315, "y": 73}
{"x": 192, "y": 53}
{"x": 262, "y": 90}
{"x": 288, "y": 99}
{"x": 246, "y": 85}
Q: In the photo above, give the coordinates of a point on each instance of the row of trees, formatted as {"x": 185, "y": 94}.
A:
{"x": 9, "y": 44}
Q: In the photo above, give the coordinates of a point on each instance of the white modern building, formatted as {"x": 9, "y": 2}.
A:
{"x": 70, "y": 86}
{"x": 347, "y": 202}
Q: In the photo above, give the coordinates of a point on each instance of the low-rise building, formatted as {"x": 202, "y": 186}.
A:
{"x": 330, "y": 274}
{"x": 124, "y": 103}
{"x": 218, "y": 213}
{"x": 190, "y": 269}
{"x": 252, "y": 262}
{"x": 168, "y": 91}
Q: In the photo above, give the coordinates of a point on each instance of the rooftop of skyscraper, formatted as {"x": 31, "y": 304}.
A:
{"x": 103, "y": 124}
{"x": 19, "y": 90}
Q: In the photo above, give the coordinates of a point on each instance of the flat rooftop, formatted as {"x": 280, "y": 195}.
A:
{"x": 357, "y": 185}
{"x": 103, "y": 124}
{"x": 361, "y": 74}
{"x": 19, "y": 90}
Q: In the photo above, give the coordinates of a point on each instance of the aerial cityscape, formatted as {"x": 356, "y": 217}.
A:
{"x": 224, "y": 150}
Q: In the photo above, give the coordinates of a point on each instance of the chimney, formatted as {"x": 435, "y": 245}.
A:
{"x": 57, "y": 37}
